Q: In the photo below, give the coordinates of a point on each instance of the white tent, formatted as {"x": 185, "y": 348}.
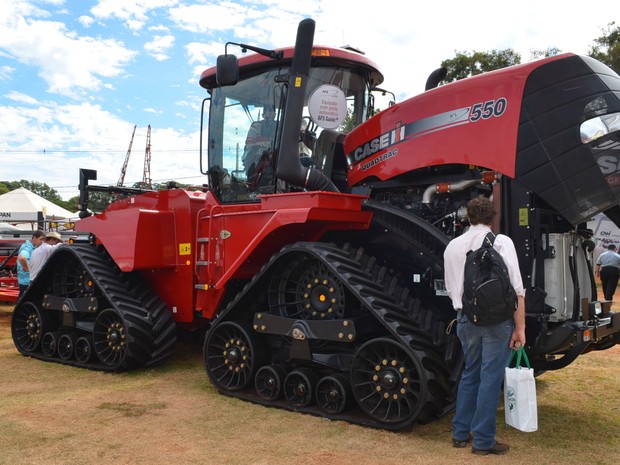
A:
{"x": 24, "y": 207}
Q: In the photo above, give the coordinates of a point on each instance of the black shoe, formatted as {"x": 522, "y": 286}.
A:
{"x": 462, "y": 443}
{"x": 497, "y": 449}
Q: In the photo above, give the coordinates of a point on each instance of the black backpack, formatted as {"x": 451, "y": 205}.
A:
{"x": 488, "y": 296}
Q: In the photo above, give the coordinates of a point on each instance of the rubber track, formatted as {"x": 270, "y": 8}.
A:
{"x": 150, "y": 326}
{"x": 376, "y": 289}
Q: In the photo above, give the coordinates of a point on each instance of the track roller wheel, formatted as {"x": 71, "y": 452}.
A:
{"x": 231, "y": 355}
{"x": 269, "y": 380}
{"x": 83, "y": 349}
{"x": 49, "y": 344}
{"x": 110, "y": 338}
{"x": 306, "y": 289}
{"x": 388, "y": 381}
{"x": 333, "y": 393}
{"x": 72, "y": 280}
{"x": 28, "y": 325}
{"x": 66, "y": 344}
{"x": 299, "y": 387}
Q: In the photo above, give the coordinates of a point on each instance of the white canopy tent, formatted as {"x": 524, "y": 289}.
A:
{"x": 27, "y": 210}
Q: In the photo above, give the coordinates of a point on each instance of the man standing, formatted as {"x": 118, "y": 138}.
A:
{"x": 42, "y": 253}
{"x": 608, "y": 268}
{"x": 23, "y": 259}
{"x": 486, "y": 348}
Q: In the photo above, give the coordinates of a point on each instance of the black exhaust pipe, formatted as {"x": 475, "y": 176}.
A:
{"x": 290, "y": 168}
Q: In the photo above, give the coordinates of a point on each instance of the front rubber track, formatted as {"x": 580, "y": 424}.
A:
{"x": 148, "y": 325}
{"x": 378, "y": 292}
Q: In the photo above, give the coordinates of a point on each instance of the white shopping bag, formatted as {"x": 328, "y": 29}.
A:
{"x": 520, "y": 396}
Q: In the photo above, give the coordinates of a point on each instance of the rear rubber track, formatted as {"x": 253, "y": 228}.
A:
{"x": 147, "y": 325}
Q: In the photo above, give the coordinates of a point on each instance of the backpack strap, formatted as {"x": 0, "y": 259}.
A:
{"x": 488, "y": 240}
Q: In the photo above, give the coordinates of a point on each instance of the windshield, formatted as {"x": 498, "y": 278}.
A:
{"x": 245, "y": 121}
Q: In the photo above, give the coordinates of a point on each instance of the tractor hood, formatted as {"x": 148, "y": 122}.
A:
{"x": 553, "y": 125}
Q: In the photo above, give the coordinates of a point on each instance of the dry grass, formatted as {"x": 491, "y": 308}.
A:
{"x": 171, "y": 414}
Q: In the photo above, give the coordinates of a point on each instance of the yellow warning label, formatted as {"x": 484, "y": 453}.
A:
{"x": 298, "y": 81}
{"x": 523, "y": 218}
{"x": 185, "y": 249}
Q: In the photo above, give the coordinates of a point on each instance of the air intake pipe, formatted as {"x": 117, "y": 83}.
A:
{"x": 290, "y": 168}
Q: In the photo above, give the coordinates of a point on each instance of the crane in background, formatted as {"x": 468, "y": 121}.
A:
{"x": 146, "y": 177}
{"x": 121, "y": 179}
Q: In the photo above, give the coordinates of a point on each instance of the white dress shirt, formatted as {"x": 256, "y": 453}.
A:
{"x": 456, "y": 253}
{"x": 39, "y": 257}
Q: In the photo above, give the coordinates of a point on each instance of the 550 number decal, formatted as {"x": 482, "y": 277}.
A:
{"x": 488, "y": 109}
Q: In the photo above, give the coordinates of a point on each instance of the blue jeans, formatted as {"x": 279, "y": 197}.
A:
{"x": 486, "y": 349}
{"x": 22, "y": 289}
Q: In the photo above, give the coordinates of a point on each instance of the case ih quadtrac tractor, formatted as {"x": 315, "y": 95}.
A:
{"x": 314, "y": 255}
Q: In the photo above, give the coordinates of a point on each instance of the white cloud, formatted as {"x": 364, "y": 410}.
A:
{"x": 6, "y": 72}
{"x": 21, "y": 98}
{"x": 203, "y": 53}
{"x": 158, "y": 47}
{"x": 86, "y": 21}
{"x": 69, "y": 64}
{"x": 159, "y": 28}
{"x": 133, "y": 13}
{"x": 209, "y": 17}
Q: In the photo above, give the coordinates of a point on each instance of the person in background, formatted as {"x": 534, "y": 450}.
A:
{"x": 41, "y": 254}
{"x": 258, "y": 146}
{"x": 608, "y": 269}
{"x": 262, "y": 131}
{"x": 486, "y": 348}
{"x": 23, "y": 259}
{"x": 259, "y": 139}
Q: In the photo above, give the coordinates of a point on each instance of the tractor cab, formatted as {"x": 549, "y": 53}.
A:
{"x": 247, "y": 110}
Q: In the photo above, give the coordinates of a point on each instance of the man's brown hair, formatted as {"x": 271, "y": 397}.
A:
{"x": 480, "y": 211}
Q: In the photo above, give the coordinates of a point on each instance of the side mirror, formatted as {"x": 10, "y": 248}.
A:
{"x": 227, "y": 70}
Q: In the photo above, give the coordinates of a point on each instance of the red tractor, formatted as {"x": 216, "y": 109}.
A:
{"x": 313, "y": 258}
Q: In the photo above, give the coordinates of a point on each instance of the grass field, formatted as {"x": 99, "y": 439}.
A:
{"x": 171, "y": 414}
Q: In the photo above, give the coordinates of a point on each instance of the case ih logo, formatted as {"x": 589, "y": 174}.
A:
{"x": 377, "y": 144}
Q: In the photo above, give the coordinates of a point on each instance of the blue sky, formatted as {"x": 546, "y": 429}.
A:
{"x": 77, "y": 75}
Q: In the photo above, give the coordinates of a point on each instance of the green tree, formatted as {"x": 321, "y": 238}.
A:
{"x": 38, "y": 188}
{"x": 466, "y": 64}
{"x": 97, "y": 201}
{"x": 606, "y": 48}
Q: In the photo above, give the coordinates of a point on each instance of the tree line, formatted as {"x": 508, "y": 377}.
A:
{"x": 605, "y": 49}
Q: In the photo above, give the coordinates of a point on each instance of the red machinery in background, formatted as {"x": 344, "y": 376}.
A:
{"x": 314, "y": 259}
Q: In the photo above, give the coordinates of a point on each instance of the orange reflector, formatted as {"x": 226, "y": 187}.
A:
{"x": 320, "y": 52}
{"x": 587, "y": 335}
